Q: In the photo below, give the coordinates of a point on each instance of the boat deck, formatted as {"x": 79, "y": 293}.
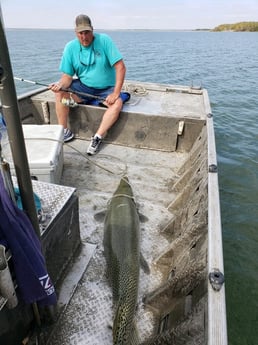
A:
{"x": 88, "y": 316}
{"x": 145, "y": 144}
{"x": 160, "y": 143}
{"x": 164, "y": 142}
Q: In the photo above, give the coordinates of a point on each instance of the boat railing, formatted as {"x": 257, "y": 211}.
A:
{"x": 217, "y": 323}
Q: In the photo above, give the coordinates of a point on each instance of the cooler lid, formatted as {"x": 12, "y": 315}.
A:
{"x": 43, "y": 144}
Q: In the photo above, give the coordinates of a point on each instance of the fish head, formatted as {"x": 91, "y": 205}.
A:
{"x": 124, "y": 188}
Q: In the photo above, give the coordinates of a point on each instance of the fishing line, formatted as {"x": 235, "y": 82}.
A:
{"x": 118, "y": 174}
{"x": 121, "y": 174}
{"x": 79, "y": 93}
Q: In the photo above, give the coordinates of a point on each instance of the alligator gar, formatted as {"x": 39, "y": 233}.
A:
{"x": 121, "y": 249}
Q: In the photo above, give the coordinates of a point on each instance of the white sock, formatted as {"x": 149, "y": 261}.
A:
{"x": 97, "y": 136}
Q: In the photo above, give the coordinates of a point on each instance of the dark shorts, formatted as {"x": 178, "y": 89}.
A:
{"x": 93, "y": 96}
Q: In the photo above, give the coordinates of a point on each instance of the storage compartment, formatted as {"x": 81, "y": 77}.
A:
{"x": 44, "y": 146}
{"x": 60, "y": 238}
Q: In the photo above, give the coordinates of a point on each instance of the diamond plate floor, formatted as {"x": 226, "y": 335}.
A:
{"x": 88, "y": 315}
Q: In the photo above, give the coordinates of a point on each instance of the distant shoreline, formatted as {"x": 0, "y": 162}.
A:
{"x": 236, "y": 27}
{"x": 140, "y": 30}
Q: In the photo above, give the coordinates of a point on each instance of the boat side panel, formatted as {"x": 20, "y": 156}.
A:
{"x": 185, "y": 277}
{"x": 141, "y": 130}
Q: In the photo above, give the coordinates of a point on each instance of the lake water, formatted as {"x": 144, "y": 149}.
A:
{"x": 226, "y": 64}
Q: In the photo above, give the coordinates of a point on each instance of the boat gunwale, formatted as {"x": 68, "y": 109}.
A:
{"x": 217, "y": 322}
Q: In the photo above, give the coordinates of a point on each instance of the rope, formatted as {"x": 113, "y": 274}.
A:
{"x": 137, "y": 90}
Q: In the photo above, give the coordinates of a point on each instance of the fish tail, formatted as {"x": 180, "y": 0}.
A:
{"x": 124, "y": 331}
{"x": 134, "y": 340}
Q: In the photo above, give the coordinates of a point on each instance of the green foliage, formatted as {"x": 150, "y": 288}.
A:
{"x": 242, "y": 26}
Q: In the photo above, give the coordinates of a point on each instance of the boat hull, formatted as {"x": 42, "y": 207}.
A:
{"x": 164, "y": 142}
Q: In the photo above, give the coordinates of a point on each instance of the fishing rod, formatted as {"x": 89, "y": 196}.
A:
{"x": 79, "y": 93}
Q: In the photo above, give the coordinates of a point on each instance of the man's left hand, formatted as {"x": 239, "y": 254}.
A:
{"x": 111, "y": 98}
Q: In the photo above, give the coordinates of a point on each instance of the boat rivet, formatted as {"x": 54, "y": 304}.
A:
{"x": 216, "y": 279}
{"x": 213, "y": 168}
{"x": 209, "y": 115}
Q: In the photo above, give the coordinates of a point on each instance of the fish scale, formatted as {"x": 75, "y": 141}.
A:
{"x": 121, "y": 248}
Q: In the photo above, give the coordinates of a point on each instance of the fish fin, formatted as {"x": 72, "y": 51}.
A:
{"x": 144, "y": 264}
{"x": 134, "y": 339}
{"x": 143, "y": 218}
{"x": 100, "y": 216}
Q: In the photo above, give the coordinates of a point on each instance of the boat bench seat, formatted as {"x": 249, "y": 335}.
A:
{"x": 151, "y": 120}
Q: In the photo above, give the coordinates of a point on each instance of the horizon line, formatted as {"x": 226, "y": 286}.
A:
{"x": 110, "y": 29}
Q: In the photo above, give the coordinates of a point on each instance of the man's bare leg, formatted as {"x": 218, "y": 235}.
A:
{"x": 110, "y": 117}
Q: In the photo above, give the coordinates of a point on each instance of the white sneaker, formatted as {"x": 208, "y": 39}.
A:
{"x": 94, "y": 145}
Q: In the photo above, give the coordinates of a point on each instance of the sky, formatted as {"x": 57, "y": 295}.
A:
{"x": 128, "y": 14}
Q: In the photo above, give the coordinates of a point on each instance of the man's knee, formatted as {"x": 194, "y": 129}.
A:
{"x": 118, "y": 104}
{"x": 58, "y": 96}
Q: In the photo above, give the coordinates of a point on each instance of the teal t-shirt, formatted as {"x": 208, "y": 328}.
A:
{"x": 93, "y": 65}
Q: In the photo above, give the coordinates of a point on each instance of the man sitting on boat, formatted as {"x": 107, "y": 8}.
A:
{"x": 100, "y": 70}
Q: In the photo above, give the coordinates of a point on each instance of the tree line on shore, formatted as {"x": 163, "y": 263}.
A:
{"x": 241, "y": 26}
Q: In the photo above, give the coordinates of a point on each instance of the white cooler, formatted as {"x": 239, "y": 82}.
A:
{"x": 44, "y": 146}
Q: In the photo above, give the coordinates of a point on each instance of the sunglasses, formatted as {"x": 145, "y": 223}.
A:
{"x": 91, "y": 58}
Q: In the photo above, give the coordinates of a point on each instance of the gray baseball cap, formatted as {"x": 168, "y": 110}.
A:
{"x": 83, "y": 23}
